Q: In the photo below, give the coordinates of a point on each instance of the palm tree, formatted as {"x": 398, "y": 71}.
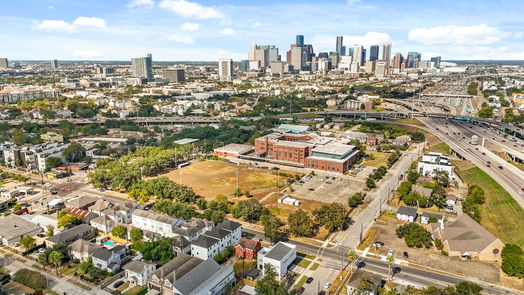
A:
{"x": 43, "y": 259}
{"x": 390, "y": 260}
{"x": 56, "y": 258}
{"x": 352, "y": 256}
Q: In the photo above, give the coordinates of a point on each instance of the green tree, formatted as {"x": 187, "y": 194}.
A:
{"x": 75, "y": 152}
{"x": 52, "y": 162}
{"x": 301, "y": 224}
{"x": 390, "y": 260}
{"x": 468, "y": 288}
{"x": 332, "y": 216}
{"x": 67, "y": 219}
{"x": 140, "y": 195}
{"x": 355, "y": 200}
{"x": 352, "y": 256}
{"x": 136, "y": 235}
{"x": 43, "y": 259}
{"x": 370, "y": 183}
{"x": 28, "y": 242}
{"x": 50, "y": 231}
{"x": 56, "y": 258}
{"x": 268, "y": 284}
{"x": 513, "y": 260}
{"x": 119, "y": 231}
{"x": 250, "y": 210}
{"x": 272, "y": 226}
{"x": 414, "y": 235}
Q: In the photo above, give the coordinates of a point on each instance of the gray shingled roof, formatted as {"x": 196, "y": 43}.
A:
{"x": 217, "y": 233}
{"x": 229, "y": 225}
{"x": 205, "y": 242}
{"x": 403, "y": 210}
{"x": 70, "y": 233}
{"x": 102, "y": 253}
{"x": 136, "y": 266}
{"x": 279, "y": 251}
{"x": 198, "y": 275}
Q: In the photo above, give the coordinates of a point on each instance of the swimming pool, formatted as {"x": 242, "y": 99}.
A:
{"x": 109, "y": 243}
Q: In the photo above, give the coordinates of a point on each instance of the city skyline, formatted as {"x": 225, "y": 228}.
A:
{"x": 208, "y": 30}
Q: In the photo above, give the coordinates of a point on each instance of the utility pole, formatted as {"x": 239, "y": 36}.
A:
{"x": 238, "y": 172}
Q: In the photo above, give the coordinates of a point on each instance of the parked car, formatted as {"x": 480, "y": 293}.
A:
{"x": 405, "y": 254}
{"x": 118, "y": 284}
{"x": 309, "y": 280}
{"x": 390, "y": 252}
{"x": 326, "y": 285}
{"x": 300, "y": 290}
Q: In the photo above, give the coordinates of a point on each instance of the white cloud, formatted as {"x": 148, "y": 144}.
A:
{"x": 227, "y": 31}
{"x": 468, "y": 35}
{"x": 256, "y": 24}
{"x": 141, "y": 3}
{"x": 189, "y": 9}
{"x": 93, "y": 22}
{"x": 55, "y": 25}
{"x": 189, "y": 27}
{"x": 50, "y": 7}
{"x": 86, "y": 53}
{"x": 63, "y": 26}
{"x": 181, "y": 39}
{"x": 351, "y": 2}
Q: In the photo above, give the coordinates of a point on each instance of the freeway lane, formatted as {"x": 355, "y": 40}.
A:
{"x": 510, "y": 177}
{"x": 333, "y": 256}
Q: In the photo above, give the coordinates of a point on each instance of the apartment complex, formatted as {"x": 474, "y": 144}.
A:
{"x": 33, "y": 156}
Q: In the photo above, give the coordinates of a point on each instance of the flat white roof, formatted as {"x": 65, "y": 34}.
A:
{"x": 334, "y": 149}
{"x": 185, "y": 141}
{"x": 235, "y": 148}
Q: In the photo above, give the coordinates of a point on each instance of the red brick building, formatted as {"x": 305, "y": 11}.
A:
{"x": 315, "y": 153}
{"x": 247, "y": 248}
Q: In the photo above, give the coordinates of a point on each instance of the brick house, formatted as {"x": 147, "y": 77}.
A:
{"x": 247, "y": 248}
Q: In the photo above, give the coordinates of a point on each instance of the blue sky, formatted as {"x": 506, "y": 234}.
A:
{"x": 208, "y": 30}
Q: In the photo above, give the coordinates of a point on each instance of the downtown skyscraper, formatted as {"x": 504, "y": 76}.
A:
{"x": 373, "y": 53}
{"x": 142, "y": 67}
{"x": 340, "y": 45}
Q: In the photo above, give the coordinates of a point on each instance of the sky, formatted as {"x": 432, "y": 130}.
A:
{"x": 205, "y": 30}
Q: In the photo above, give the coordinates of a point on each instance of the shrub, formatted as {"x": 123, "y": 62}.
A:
{"x": 414, "y": 235}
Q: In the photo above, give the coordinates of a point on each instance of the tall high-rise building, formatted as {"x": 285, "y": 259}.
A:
{"x": 358, "y": 51}
{"x": 244, "y": 65}
{"x": 373, "y": 53}
{"x": 363, "y": 57}
{"x": 309, "y": 52}
{"x": 398, "y": 60}
{"x": 54, "y": 64}
{"x": 4, "y": 63}
{"x": 142, "y": 67}
{"x": 380, "y": 68}
{"x": 323, "y": 55}
{"x": 297, "y": 58}
{"x": 343, "y": 50}
{"x": 436, "y": 60}
{"x": 351, "y": 51}
{"x": 251, "y": 55}
{"x": 300, "y": 40}
{"x": 272, "y": 52}
{"x": 339, "y": 45}
{"x": 386, "y": 53}
{"x": 225, "y": 69}
{"x": 174, "y": 75}
{"x": 413, "y": 59}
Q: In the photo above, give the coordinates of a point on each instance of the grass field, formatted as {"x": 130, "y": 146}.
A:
{"x": 501, "y": 214}
{"x": 248, "y": 265}
{"x": 212, "y": 178}
{"x": 13, "y": 287}
{"x": 440, "y": 148}
{"x": 302, "y": 262}
{"x": 381, "y": 159}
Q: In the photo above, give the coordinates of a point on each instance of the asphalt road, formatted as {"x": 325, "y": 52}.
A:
{"x": 332, "y": 258}
{"x": 509, "y": 177}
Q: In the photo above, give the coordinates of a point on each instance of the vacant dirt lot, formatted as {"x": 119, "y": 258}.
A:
{"x": 212, "y": 178}
{"x": 433, "y": 258}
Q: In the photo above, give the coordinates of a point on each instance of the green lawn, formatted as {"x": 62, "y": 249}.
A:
{"x": 314, "y": 266}
{"x": 305, "y": 255}
{"x": 440, "y": 148}
{"x": 501, "y": 214}
{"x": 123, "y": 287}
{"x": 300, "y": 261}
{"x": 248, "y": 265}
{"x": 301, "y": 282}
{"x": 136, "y": 290}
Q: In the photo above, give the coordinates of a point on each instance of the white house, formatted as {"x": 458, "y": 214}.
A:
{"x": 103, "y": 223}
{"x": 206, "y": 278}
{"x": 279, "y": 256}
{"x": 155, "y": 222}
{"x": 433, "y": 162}
{"x": 138, "y": 272}
{"x": 82, "y": 249}
{"x": 424, "y": 219}
{"x": 407, "y": 213}
{"x": 108, "y": 260}
{"x": 225, "y": 234}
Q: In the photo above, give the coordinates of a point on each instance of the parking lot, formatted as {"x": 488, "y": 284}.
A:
{"x": 331, "y": 189}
